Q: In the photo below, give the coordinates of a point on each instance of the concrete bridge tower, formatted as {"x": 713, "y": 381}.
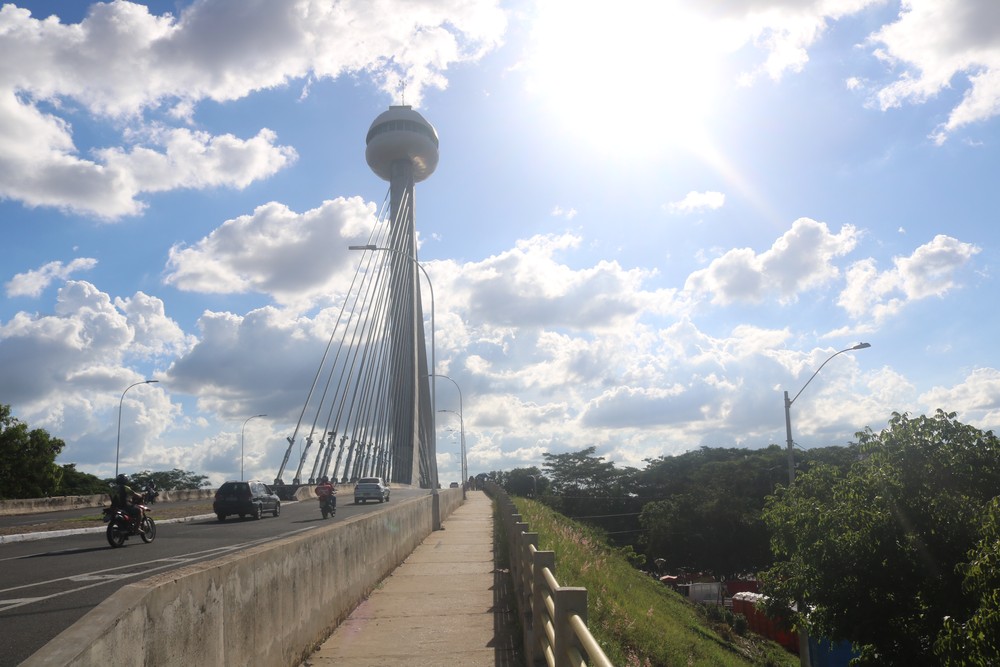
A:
{"x": 402, "y": 148}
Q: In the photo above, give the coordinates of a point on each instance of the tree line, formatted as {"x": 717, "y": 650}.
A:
{"x": 28, "y": 467}
{"x": 892, "y": 542}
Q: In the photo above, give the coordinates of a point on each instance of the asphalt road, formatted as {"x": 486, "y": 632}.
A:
{"x": 47, "y": 585}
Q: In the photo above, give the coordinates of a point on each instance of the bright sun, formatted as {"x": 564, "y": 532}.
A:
{"x": 631, "y": 77}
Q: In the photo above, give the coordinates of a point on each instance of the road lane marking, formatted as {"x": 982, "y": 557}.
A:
{"x": 101, "y": 577}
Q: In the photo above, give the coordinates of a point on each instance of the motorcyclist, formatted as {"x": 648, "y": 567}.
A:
{"x": 327, "y": 492}
{"x": 126, "y": 499}
{"x": 150, "y": 492}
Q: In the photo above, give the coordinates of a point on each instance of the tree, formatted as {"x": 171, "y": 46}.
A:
{"x": 578, "y": 472}
{"x": 76, "y": 483}
{"x": 875, "y": 553}
{"x": 524, "y": 482}
{"x": 27, "y": 459}
{"x": 586, "y": 487}
{"x": 172, "y": 479}
{"x": 704, "y": 509}
{"x": 976, "y": 640}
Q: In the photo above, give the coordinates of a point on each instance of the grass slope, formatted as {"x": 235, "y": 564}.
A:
{"x": 636, "y": 619}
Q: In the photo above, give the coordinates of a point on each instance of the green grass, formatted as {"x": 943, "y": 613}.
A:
{"x": 636, "y": 619}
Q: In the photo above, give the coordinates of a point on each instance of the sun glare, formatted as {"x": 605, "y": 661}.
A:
{"x": 628, "y": 77}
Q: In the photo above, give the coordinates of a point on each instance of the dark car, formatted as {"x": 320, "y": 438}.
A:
{"x": 251, "y": 498}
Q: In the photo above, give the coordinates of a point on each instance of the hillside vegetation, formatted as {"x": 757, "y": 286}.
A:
{"x": 636, "y": 619}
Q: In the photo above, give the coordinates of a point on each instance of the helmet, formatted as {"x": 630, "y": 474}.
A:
{"x": 325, "y": 479}
{"x": 122, "y": 479}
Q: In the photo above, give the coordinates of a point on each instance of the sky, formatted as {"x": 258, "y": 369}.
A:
{"x": 649, "y": 219}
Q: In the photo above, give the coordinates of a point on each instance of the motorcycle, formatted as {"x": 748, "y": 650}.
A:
{"x": 328, "y": 505}
{"x": 149, "y": 495}
{"x": 121, "y": 526}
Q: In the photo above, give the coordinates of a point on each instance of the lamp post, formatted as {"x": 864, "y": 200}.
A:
{"x": 788, "y": 409}
{"x": 461, "y": 411}
{"x": 243, "y": 432}
{"x": 118, "y": 444}
{"x": 461, "y": 463}
{"x": 803, "y": 636}
{"x": 434, "y": 477}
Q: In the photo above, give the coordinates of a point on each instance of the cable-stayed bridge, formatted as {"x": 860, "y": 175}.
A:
{"x": 370, "y": 409}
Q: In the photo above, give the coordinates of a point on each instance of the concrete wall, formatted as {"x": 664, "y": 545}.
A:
{"x": 270, "y": 605}
{"x": 34, "y": 505}
{"x": 56, "y": 503}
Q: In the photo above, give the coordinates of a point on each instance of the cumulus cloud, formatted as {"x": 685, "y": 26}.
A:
{"x": 87, "y": 336}
{"x": 33, "y": 283}
{"x": 292, "y": 257}
{"x": 976, "y": 399}
{"x": 125, "y": 64}
{"x": 529, "y": 287}
{"x": 260, "y": 362}
{"x": 40, "y": 166}
{"x": 694, "y": 202}
{"x": 933, "y": 43}
{"x": 930, "y": 271}
{"x": 802, "y": 259}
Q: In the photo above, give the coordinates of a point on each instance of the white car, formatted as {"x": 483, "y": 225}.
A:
{"x": 371, "y": 488}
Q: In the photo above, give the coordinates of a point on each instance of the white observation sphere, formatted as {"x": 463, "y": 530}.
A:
{"x": 401, "y": 134}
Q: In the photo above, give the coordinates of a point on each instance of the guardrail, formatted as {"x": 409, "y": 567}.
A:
{"x": 554, "y": 617}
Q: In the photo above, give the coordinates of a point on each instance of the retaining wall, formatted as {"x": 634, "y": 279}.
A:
{"x": 270, "y": 605}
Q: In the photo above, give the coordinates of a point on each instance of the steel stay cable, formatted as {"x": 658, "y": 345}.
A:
{"x": 319, "y": 369}
{"x": 360, "y": 352}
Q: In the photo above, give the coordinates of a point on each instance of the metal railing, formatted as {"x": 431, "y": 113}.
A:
{"x": 554, "y": 617}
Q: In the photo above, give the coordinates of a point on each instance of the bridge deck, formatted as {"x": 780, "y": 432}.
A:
{"x": 445, "y": 605}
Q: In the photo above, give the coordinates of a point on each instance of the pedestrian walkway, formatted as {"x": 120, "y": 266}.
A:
{"x": 447, "y": 604}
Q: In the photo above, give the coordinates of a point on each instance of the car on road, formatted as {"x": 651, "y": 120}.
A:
{"x": 453, "y": 485}
{"x": 371, "y": 488}
{"x": 252, "y": 498}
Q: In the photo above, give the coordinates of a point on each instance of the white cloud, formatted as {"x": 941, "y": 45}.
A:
{"x": 154, "y": 334}
{"x": 123, "y": 64}
{"x": 84, "y": 342}
{"x": 594, "y": 357}
{"x": 976, "y": 399}
{"x": 930, "y": 271}
{"x": 694, "y": 202}
{"x": 33, "y": 283}
{"x": 528, "y": 287}
{"x": 934, "y": 42}
{"x": 802, "y": 259}
{"x": 251, "y": 364}
{"x": 199, "y": 160}
{"x": 295, "y": 258}
{"x": 560, "y": 212}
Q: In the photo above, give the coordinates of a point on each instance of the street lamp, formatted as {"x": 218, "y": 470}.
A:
{"x": 803, "y": 637}
{"x": 788, "y": 408}
{"x": 461, "y": 421}
{"x": 119, "y": 443}
{"x": 242, "y": 438}
{"x": 370, "y": 246}
{"x": 461, "y": 410}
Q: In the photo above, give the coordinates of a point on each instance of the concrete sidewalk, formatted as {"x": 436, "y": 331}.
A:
{"x": 445, "y": 605}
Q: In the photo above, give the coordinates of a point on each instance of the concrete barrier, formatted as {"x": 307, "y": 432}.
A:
{"x": 54, "y": 504}
{"x": 57, "y": 503}
{"x": 172, "y": 495}
{"x": 270, "y": 605}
